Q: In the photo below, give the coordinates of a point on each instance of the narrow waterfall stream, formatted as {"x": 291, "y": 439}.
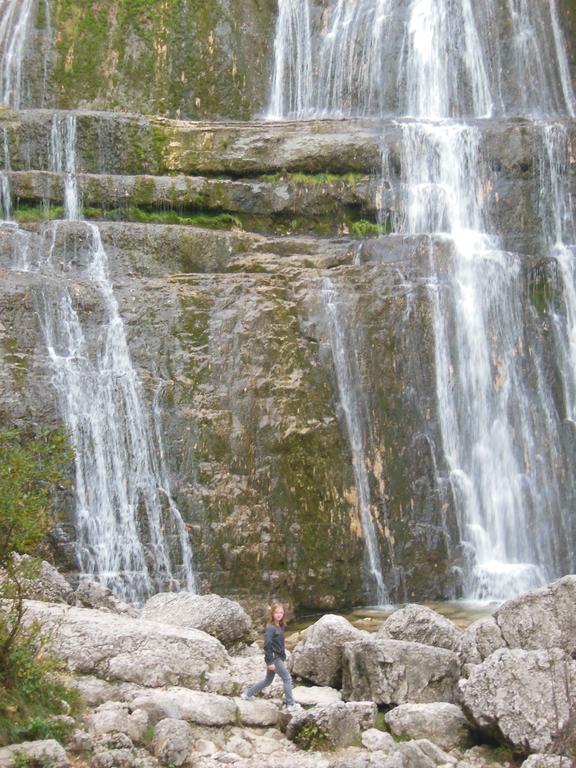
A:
{"x": 355, "y": 416}
{"x": 130, "y": 534}
{"x": 15, "y": 16}
{"x": 435, "y": 64}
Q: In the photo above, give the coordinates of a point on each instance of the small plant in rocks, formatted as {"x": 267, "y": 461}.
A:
{"x": 312, "y": 737}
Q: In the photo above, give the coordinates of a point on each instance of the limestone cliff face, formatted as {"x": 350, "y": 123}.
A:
{"x": 196, "y": 59}
{"x": 230, "y": 331}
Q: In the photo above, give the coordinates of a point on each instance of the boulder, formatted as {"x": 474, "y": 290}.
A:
{"x": 333, "y": 725}
{"x": 215, "y": 615}
{"x": 90, "y": 594}
{"x": 316, "y": 695}
{"x": 418, "y": 624}
{"x": 42, "y": 581}
{"x": 441, "y": 723}
{"x": 522, "y": 698}
{"x": 183, "y": 704}
{"x": 412, "y": 754}
{"x": 544, "y": 618}
{"x": 396, "y": 672}
{"x": 95, "y": 691}
{"x": 116, "y": 717}
{"x": 113, "y": 758}
{"x": 548, "y": 761}
{"x": 479, "y": 640}
{"x": 319, "y": 656}
{"x": 172, "y": 741}
{"x": 259, "y": 714}
{"x": 375, "y": 740}
{"x": 47, "y": 753}
{"x": 127, "y": 649}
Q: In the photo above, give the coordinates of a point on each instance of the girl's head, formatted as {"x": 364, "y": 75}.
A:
{"x": 276, "y": 614}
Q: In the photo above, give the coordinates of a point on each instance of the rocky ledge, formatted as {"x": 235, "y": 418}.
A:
{"x": 161, "y": 686}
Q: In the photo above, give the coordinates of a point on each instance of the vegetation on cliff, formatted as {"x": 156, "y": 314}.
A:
{"x": 31, "y": 469}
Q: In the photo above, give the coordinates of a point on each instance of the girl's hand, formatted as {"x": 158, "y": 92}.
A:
{"x": 271, "y": 667}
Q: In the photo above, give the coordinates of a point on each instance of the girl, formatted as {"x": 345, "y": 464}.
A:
{"x": 275, "y": 656}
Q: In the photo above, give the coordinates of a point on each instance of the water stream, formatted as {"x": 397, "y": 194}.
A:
{"x": 130, "y": 534}
{"x": 436, "y": 63}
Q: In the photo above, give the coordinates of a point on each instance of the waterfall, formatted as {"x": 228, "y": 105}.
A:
{"x": 438, "y": 63}
{"x": 423, "y": 58}
{"x": 5, "y": 191}
{"x": 130, "y": 534}
{"x": 293, "y": 61}
{"x": 15, "y": 18}
{"x": 355, "y": 417}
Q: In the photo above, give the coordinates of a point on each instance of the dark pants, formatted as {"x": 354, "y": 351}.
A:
{"x": 286, "y": 679}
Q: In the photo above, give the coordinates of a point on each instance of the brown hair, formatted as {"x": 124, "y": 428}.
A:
{"x": 271, "y": 610}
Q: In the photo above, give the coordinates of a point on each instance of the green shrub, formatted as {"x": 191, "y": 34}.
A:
{"x": 311, "y": 736}
{"x": 32, "y": 468}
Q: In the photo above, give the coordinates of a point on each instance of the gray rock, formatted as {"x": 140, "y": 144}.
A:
{"x": 479, "y": 640}
{"x": 378, "y": 741}
{"x": 115, "y": 741}
{"x": 396, "y": 672}
{"x": 80, "y": 741}
{"x": 441, "y": 723}
{"x": 341, "y": 724}
{"x": 548, "y": 761}
{"x": 47, "y": 584}
{"x": 172, "y": 742}
{"x": 95, "y": 691}
{"x": 113, "y": 758}
{"x": 117, "y": 717}
{"x": 128, "y": 649}
{"x": 261, "y": 714}
{"x": 315, "y": 694}
{"x": 319, "y": 656}
{"x": 183, "y": 704}
{"x": 419, "y": 624}
{"x": 47, "y": 753}
{"x": 544, "y": 618}
{"x": 215, "y": 615}
{"x": 90, "y": 594}
{"x": 522, "y": 698}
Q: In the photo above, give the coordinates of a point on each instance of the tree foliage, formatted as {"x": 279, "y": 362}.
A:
{"x": 32, "y": 469}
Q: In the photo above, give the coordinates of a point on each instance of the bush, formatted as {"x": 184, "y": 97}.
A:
{"x": 32, "y": 468}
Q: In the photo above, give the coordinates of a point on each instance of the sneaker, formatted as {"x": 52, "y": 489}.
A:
{"x": 245, "y": 696}
{"x": 293, "y": 708}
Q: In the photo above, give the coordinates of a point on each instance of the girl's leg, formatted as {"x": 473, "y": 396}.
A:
{"x": 262, "y": 684}
{"x": 286, "y": 679}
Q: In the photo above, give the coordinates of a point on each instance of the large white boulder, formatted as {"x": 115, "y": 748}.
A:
{"x": 441, "y": 723}
{"x": 544, "y": 618}
{"x": 548, "y": 761}
{"x": 522, "y": 698}
{"x": 318, "y": 657}
{"x": 183, "y": 704}
{"x": 127, "y": 649}
{"x": 419, "y": 624}
{"x": 397, "y": 672}
{"x": 218, "y": 616}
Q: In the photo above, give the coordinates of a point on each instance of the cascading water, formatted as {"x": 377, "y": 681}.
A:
{"x": 130, "y": 534}
{"x": 15, "y": 17}
{"x": 355, "y": 417}
{"x": 434, "y": 61}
